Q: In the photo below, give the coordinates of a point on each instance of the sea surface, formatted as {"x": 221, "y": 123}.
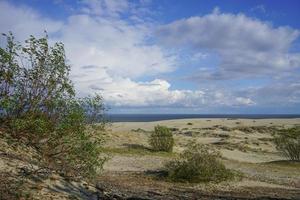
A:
{"x": 159, "y": 117}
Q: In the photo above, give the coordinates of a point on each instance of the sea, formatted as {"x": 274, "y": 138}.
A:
{"x": 159, "y": 117}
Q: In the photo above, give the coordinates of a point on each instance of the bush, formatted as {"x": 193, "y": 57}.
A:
{"x": 162, "y": 139}
{"x": 38, "y": 106}
{"x": 288, "y": 143}
{"x": 197, "y": 164}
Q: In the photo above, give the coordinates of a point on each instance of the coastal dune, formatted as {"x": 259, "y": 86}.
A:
{"x": 246, "y": 146}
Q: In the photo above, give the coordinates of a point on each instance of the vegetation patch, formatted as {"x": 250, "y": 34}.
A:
{"x": 161, "y": 139}
{"x": 253, "y": 129}
{"x": 174, "y": 129}
{"x": 288, "y": 143}
{"x": 13, "y": 188}
{"x": 140, "y": 130}
{"x": 39, "y": 108}
{"x": 198, "y": 164}
{"x": 137, "y": 151}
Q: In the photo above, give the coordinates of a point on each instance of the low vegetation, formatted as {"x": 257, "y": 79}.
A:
{"x": 288, "y": 143}
{"x": 137, "y": 151}
{"x": 198, "y": 164}
{"x": 161, "y": 139}
{"x": 39, "y": 108}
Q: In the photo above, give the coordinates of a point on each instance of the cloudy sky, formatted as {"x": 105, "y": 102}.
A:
{"x": 165, "y": 56}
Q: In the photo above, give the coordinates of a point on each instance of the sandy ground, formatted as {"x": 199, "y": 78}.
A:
{"x": 201, "y": 123}
{"x": 133, "y": 169}
{"x": 245, "y": 145}
{"x": 234, "y": 143}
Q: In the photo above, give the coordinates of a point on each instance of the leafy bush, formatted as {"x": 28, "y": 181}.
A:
{"x": 197, "y": 164}
{"x": 162, "y": 139}
{"x": 288, "y": 143}
{"x": 38, "y": 106}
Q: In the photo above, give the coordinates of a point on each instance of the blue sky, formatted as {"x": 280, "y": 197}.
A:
{"x": 164, "y": 56}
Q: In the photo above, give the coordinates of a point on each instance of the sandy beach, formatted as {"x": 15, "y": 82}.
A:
{"x": 135, "y": 171}
{"x": 245, "y": 145}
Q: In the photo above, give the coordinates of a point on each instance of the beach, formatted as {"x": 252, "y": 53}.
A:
{"x": 245, "y": 145}
{"x": 134, "y": 171}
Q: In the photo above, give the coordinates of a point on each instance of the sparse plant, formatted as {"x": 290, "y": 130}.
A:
{"x": 198, "y": 163}
{"x": 189, "y": 123}
{"x": 287, "y": 141}
{"x": 161, "y": 139}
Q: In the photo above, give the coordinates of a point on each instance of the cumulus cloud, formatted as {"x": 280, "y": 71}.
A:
{"x": 247, "y": 47}
{"x": 113, "y": 43}
{"x": 157, "y": 93}
{"x": 244, "y": 101}
{"x": 110, "y": 54}
{"x": 102, "y": 50}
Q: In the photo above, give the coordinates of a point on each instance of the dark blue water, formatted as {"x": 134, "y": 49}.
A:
{"x": 159, "y": 117}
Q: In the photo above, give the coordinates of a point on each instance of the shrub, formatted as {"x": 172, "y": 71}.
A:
{"x": 189, "y": 123}
{"x": 162, "y": 139}
{"x": 288, "y": 143}
{"x": 197, "y": 164}
{"x": 38, "y": 106}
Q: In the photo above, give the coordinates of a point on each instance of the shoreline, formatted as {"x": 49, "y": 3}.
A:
{"x": 209, "y": 118}
{"x": 204, "y": 123}
{"x": 162, "y": 117}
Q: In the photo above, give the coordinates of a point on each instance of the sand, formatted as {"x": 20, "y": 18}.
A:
{"x": 237, "y": 142}
{"x": 133, "y": 170}
{"x": 245, "y": 145}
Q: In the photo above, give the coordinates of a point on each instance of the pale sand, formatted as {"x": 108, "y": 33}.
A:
{"x": 243, "y": 148}
{"x": 240, "y": 146}
{"x": 201, "y": 123}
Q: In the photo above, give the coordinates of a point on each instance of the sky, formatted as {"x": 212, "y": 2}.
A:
{"x": 167, "y": 56}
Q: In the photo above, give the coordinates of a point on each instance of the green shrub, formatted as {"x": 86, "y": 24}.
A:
{"x": 197, "y": 164}
{"x": 161, "y": 139}
{"x": 288, "y": 143}
{"x": 189, "y": 123}
{"x": 38, "y": 106}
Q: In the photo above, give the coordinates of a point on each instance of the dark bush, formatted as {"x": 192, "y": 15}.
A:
{"x": 288, "y": 143}
{"x": 198, "y": 164}
{"x": 162, "y": 139}
{"x": 174, "y": 129}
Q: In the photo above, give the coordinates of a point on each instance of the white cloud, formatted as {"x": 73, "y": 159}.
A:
{"x": 244, "y": 101}
{"x": 108, "y": 54}
{"x": 115, "y": 44}
{"x": 105, "y": 7}
{"x": 24, "y": 21}
{"x": 199, "y": 56}
{"x": 157, "y": 93}
{"x": 247, "y": 47}
{"x": 279, "y": 93}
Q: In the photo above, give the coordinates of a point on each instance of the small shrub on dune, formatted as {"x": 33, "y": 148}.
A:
{"x": 198, "y": 164}
{"x": 162, "y": 139}
{"x": 288, "y": 143}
